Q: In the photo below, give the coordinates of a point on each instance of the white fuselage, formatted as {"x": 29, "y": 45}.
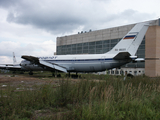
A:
{"x": 80, "y": 63}
{"x": 123, "y": 52}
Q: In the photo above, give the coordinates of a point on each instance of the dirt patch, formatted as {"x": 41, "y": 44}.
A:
{"x": 5, "y": 78}
{"x": 22, "y": 80}
{"x": 28, "y": 81}
{"x": 20, "y": 83}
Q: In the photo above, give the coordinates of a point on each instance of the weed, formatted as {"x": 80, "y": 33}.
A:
{"x": 92, "y": 97}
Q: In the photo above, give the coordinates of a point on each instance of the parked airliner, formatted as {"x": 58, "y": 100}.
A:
{"x": 123, "y": 53}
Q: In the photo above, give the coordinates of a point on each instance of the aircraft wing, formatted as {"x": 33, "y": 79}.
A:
{"x": 44, "y": 63}
{"x": 31, "y": 59}
{"x": 6, "y": 64}
{"x": 11, "y": 67}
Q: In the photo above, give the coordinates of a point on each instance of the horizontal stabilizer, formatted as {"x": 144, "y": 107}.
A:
{"x": 53, "y": 66}
{"x": 139, "y": 60}
{"x": 122, "y": 55}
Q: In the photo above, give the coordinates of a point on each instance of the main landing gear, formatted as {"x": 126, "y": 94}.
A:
{"x": 54, "y": 74}
{"x": 73, "y": 75}
{"x": 30, "y": 73}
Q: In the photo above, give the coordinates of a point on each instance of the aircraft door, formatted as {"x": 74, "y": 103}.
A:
{"x": 74, "y": 60}
{"x": 103, "y": 63}
{"x": 72, "y": 67}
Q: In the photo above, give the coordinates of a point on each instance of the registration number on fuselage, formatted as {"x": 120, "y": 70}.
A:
{"x": 121, "y": 49}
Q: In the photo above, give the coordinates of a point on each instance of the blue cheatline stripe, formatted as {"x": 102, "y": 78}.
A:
{"x": 82, "y": 60}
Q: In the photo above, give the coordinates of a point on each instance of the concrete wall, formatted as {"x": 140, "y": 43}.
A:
{"x": 152, "y": 63}
{"x": 98, "y": 35}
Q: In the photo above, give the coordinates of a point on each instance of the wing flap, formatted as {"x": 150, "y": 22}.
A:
{"x": 43, "y": 63}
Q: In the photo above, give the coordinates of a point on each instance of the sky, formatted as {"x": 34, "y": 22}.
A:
{"x": 30, "y": 27}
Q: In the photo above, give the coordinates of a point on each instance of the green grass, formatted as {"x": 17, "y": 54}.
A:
{"x": 110, "y": 98}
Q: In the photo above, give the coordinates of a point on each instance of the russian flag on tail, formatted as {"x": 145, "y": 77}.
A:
{"x": 129, "y": 37}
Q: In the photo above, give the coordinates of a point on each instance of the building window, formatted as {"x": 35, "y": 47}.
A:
{"x": 121, "y": 72}
{"x": 117, "y": 72}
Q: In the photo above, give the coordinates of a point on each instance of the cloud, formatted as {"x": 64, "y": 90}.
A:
{"x": 8, "y": 3}
{"x": 125, "y": 17}
{"x": 5, "y": 59}
{"x": 62, "y": 17}
{"x": 56, "y": 16}
{"x": 31, "y": 26}
{"x": 46, "y": 48}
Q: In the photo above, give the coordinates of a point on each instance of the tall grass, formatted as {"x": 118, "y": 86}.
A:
{"x": 109, "y": 98}
{"x": 136, "y": 98}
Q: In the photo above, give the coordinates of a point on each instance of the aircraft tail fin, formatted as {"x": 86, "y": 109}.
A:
{"x": 131, "y": 41}
{"x": 14, "y": 59}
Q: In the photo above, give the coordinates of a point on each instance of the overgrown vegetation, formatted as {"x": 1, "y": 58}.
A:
{"x": 92, "y": 97}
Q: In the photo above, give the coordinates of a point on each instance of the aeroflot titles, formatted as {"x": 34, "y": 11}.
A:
{"x": 45, "y": 58}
